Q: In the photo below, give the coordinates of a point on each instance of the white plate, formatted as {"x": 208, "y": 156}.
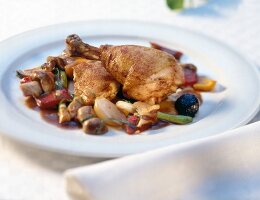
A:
{"x": 226, "y": 109}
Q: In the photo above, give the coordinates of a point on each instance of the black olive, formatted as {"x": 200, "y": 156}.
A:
{"x": 187, "y": 104}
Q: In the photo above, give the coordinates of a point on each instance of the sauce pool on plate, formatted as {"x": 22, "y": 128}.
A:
{"x": 51, "y": 115}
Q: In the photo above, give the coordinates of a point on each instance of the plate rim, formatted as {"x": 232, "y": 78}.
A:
{"x": 210, "y": 38}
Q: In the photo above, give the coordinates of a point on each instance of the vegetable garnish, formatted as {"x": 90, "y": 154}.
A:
{"x": 187, "y": 104}
{"x": 53, "y": 99}
{"x": 19, "y": 74}
{"x": 175, "y": 4}
{"x": 61, "y": 80}
{"x": 88, "y": 117}
{"x": 25, "y": 80}
{"x": 205, "y": 84}
{"x": 175, "y": 53}
{"x": 181, "y": 4}
{"x": 133, "y": 120}
{"x": 63, "y": 113}
{"x": 149, "y": 86}
{"x": 123, "y": 122}
{"x": 177, "y": 119}
{"x": 190, "y": 74}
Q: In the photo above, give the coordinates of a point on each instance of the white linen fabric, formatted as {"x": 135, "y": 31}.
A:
{"x": 29, "y": 173}
{"x": 223, "y": 167}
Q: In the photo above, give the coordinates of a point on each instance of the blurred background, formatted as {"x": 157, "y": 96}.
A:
{"x": 235, "y": 22}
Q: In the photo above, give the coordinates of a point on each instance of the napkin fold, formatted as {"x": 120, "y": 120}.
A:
{"x": 226, "y": 167}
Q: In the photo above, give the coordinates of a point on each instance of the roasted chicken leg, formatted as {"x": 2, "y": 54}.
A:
{"x": 76, "y": 47}
{"x": 91, "y": 80}
{"x": 146, "y": 74}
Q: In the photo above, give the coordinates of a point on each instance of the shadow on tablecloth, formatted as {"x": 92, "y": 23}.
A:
{"x": 54, "y": 161}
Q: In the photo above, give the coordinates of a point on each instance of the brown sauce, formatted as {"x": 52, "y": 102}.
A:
{"x": 31, "y": 103}
{"x": 159, "y": 124}
{"x": 51, "y": 115}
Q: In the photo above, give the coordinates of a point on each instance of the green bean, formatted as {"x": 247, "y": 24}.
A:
{"x": 177, "y": 119}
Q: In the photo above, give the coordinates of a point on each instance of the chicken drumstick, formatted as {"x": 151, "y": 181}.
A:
{"x": 147, "y": 74}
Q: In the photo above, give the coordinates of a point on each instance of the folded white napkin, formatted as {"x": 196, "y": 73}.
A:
{"x": 223, "y": 167}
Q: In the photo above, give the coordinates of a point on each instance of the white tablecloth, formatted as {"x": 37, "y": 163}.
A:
{"x": 28, "y": 173}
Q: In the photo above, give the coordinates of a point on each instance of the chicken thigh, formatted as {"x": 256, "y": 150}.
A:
{"x": 91, "y": 80}
{"x": 146, "y": 74}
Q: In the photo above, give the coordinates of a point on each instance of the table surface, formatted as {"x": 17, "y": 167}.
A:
{"x": 28, "y": 173}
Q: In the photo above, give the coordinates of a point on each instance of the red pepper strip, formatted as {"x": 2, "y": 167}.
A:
{"x": 134, "y": 121}
{"x": 190, "y": 76}
{"x": 175, "y": 53}
{"x": 25, "y": 80}
{"x": 53, "y": 99}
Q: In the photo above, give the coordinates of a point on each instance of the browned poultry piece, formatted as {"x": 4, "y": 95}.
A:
{"x": 147, "y": 74}
{"x": 91, "y": 80}
{"x": 76, "y": 47}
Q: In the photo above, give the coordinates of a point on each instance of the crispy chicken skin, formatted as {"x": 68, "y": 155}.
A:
{"x": 146, "y": 74}
{"x": 91, "y": 80}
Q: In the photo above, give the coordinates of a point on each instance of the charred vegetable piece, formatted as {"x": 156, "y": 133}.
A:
{"x": 133, "y": 120}
{"x": 53, "y": 62}
{"x": 105, "y": 109}
{"x": 32, "y": 88}
{"x": 177, "y": 119}
{"x": 61, "y": 80}
{"x": 187, "y": 104}
{"x": 176, "y": 54}
{"x": 74, "y": 106}
{"x": 28, "y": 72}
{"x": 64, "y": 115}
{"x": 205, "y": 84}
{"x": 94, "y": 126}
{"x": 47, "y": 81}
{"x": 20, "y": 74}
{"x": 190, "y": 74}
{"x": 45, "y": 78}
{"x": 84, "y": 113}
{"x": 52, "y": 99}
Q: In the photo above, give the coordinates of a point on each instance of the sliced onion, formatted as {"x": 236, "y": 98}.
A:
{"x": 105, "y": 109}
